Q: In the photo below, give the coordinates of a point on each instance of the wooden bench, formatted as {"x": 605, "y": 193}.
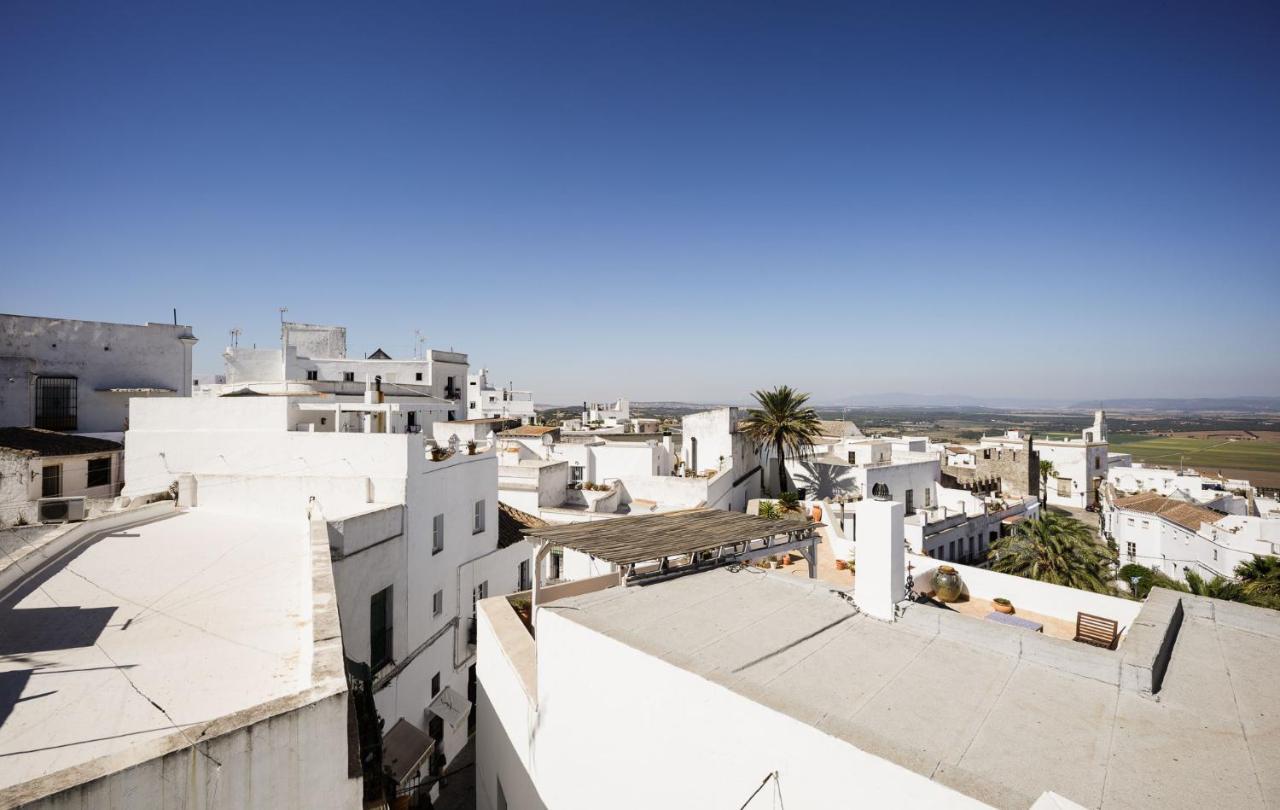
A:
{"x": 1097, "y": 631}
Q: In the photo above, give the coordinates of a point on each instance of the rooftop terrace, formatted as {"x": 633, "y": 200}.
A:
{"x": 130, "y": 642}
{"x": 997, "y": 713}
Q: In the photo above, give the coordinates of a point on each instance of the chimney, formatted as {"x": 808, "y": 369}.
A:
{"x": 880, "y": 558}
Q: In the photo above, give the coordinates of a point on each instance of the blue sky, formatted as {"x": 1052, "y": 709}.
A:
{"x": 667, "y": 200}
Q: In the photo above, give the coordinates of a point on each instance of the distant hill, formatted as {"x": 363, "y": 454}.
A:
{"x": 904, "y": 400}
{"x": 1196, "y": 404}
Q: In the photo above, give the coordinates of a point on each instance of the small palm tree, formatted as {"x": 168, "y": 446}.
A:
{"x": 1217, "y": 588}
{"x": 1260, "y": 581}
{"x": 783, "y": 423}
{"x": 1046, "y": 470}
{"x": 1055, "y": 549}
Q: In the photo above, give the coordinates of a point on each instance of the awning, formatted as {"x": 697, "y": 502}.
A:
{"x": 450, "y": 707}
{"x": 405, "y": 749}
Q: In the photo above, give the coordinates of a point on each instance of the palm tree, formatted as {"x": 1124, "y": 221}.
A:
{"x": 782, "y": 423}
{"x": 1217, "y": 588}
{"x": 1056, "y": 549}
{"x": 1046, "y": 470}
{"x": 1260, "y": 581}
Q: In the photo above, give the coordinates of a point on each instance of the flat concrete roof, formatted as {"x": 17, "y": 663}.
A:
{"x": 182, "y": 621}
{"x": 1001, "y": 727}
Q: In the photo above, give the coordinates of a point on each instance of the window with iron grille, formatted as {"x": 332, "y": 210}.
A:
{"x": 56, "y": 403}
{"x": 313, "y": 375}
{"x": 380, "y": 629}
{"x": 51, "y": 481}
{"x": 348, "y": 376}
{"x": 99, "y": 472}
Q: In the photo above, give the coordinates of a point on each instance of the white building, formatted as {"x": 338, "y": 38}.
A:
{"x": 413, "y": 530}
{"x": 156, "y": 657}
{"x": 484, "y": 401}
{"x": 743, "y": 687}
{"x": 607, "y": 415}
{"x": 854, "y": 467}
{"x": 566, "y": 478}
{"x": 1174, "y": 536}
{"x": 315, "y": 358}
{"x": 45, "y": 476}
{"x": 736, "y": 687}
{"x": 1228, "y": 495}
{"x": 78, "y": 376}
{"x": 1079, "y": 465}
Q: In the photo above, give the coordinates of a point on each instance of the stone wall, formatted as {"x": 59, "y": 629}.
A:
{"x": 1018, "y": 471}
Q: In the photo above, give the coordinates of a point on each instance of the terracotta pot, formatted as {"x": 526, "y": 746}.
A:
{"x": 841, "y": 565}
{"x": 947, "y": 586}
{"x": 1003, "y": 608}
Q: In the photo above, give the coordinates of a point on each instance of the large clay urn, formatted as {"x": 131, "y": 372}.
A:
{"x": 946, "y": 584}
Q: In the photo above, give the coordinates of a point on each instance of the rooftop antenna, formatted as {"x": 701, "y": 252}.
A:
{"x": 282, "y": 310}
{"x": 235, "y": 337}
{"x": 418, "y": 340}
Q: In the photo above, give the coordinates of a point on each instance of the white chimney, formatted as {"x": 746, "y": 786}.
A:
{"x": 880, "y": 574}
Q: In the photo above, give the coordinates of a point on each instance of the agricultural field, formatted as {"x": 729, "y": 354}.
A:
{"x": 1236, "y": 456}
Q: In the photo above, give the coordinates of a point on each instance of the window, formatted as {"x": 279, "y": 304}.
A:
{"x": 928, "y": 498}
{"x": 479, "y": 592}
{"x": 575, "y": 474}
{"x": 56, "y": 403}
{"x": 951, "y": 551}
{"x": 1097, "y": 462}
{"x": 1132, "y": 550}
{"x": 910, "y": 502}
{"x": 435, "y": 684}
{"x": 437, "y": 603}
{"x": 313, "y": 375}
{"x": 524, "y": 584}
{"x": 348, "y": 376}
{"x": 380, "y": 629}
{"x": 853, "y": 457}
{"x": 477, "y": 524}
{"x": 1130, "y": 521}
{"x": 437, "y": 534}
{"x": 1146, "y": 524}
{"x": 418, "y": 376}
{"x": 1215, "y": 555}
{"x": 51, "y": 481}
{"x": 471, "y": 406}
{"x": 1064, "y": 487}
{"x": 973, "y": 542}
{"x": 99, "y": 474}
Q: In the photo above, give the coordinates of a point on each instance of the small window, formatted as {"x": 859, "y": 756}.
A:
{"x": 853, "y": 457}
{"x": 418, "y": 376}
{"x": 575, "y": 474}
{"x": 1132, "y": 550}
{"x": 51, "y": 481}
{"x": 928, "y": 498}
{"x": 99, "y": 474}
{"x": 1064, "y": 487}
{"x": 437, "y": 603}
{"x": 523, "y": 583}
{"x": 348, "y": 376}
{"x": 437, "y": 534}
{"x": 951, "y": 551}
{"x": 380, "y": 629}
{"x": 1146, "y": 524}
{"x": 477, "y": 525}
{"x": 435, "y": 684}
{"x": 1097, "y": 462}
{"x": 313, "y": 375}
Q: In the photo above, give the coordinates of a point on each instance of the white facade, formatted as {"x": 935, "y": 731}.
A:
{"x": 317, "y": 354}
{"x": 26, "y": 478}
{"x": 411, "y": 536}
{"x": 78, "y": 376}
{"x": 1171, "y": 544}
{"x": 607, "y": 414}
{"x": 485, "y": 401}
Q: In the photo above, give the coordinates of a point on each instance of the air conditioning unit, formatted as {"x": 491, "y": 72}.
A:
{"x": 60, "y": 510}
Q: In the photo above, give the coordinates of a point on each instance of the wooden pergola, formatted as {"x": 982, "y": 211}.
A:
{"x": 675, "y": 543}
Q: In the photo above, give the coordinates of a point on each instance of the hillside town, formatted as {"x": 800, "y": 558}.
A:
{"x": 321, "y": 580}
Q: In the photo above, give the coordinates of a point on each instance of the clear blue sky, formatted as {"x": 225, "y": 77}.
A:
{"x": 677, "y": 201}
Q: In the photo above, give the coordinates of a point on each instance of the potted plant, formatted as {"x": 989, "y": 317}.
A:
{"x": 1002, "y": 605}
{"x": 471, "y": 447}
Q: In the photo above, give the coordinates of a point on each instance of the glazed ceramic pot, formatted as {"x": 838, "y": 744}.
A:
{"x": 946, "y": 584}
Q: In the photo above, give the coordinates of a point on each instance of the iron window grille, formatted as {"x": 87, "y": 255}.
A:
{"x": 56, "y": 403}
